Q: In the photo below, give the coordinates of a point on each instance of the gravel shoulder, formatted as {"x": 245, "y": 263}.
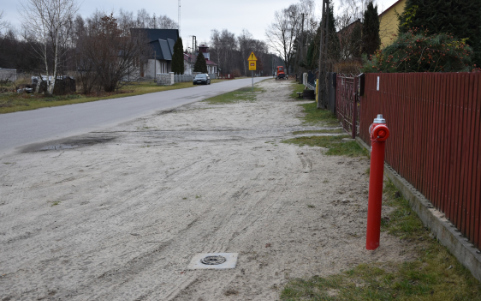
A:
{"x": 118, "y": 214}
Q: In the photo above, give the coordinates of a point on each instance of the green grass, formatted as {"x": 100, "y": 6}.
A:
{"x": 244, "y": 94}
{"x": 315, "y": 116}
{"x": 403, "y": 222}
{"x": 335, "y": 144}
{"x": 324, "y": 131}
{"x": 434, "y": 274}
{"x": 13, "y": 102}
{"x": 297, "y": 88}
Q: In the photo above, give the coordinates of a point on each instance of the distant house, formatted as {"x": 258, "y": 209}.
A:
{"x": 389, "y": 23}
{"x": 162, "y": 43}
{"x": 346, "y": 40}
{"x": 190, "y": 59}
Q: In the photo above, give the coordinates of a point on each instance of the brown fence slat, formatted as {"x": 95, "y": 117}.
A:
{"x": 469, "y": 171}
{"x": 476, "y": 187}
{"x": 465, "y": 155}
{"x": 430, "y": 182}
{"x": 452, "y": 201}
{"x": 447, "y": 149}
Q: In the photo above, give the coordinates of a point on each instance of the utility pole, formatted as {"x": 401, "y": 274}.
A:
{"x": 300, "y": 44}
{"x": 321, "y": 87}
{"x": 178, "y": 17}
{"x": 194, "y": 44}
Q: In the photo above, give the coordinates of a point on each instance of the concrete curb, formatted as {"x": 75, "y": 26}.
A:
{"x": 446, "y": 233}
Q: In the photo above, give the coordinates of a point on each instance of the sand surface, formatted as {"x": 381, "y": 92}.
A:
{"x": 118, "y": 214}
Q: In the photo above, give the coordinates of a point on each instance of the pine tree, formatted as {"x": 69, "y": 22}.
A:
{"x": 355, "y": 42}
{"x": 178, "y": 57}
{"x": 370, "y": 30}
{"x": 460, "y": 18}
{"x": 200, "y": 64}
{"x": 333, "y": 48}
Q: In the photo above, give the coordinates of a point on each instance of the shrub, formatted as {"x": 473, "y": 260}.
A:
{"x": 417, "y": 51}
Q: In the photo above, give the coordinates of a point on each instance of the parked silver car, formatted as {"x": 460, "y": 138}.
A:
{"x": 202, "y": 78}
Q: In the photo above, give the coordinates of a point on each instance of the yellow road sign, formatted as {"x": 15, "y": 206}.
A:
{"x": 252, "y": 65}
{"x": 252, "y": 57}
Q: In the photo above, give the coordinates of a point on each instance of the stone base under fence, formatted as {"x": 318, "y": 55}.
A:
{"x": 442, "y": 229}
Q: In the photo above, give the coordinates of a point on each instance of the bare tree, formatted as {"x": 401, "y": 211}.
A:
{"x": 106, "y": 56}
{"x": 166, "y": 23}
{"x": 308, "y": 27}
{"x": 49, "y": 21}
{"x": 246, "y": 45}
{"x": 3, "y": 24}
{"x": 282, "y": 33}
{"x": 143, "y": 18}
{"x": 223, "y": 47}
{"x": 126, "y": 21}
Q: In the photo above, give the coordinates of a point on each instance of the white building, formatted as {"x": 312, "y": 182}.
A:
{"x": 162, "y": 44}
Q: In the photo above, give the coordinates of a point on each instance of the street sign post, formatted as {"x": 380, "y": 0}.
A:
{"x": 252, "y": 66}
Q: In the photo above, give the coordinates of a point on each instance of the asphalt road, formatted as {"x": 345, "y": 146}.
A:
{"x": 23, "y": 128}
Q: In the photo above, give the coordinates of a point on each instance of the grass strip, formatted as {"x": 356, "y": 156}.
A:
{"x": 337, "y": 145}
{"x": 241, "y": 95}
{"x": 324, "y": 131}
{"x": 13, "y": 102}
{"x": 433, "y": 275}
{"x": 314, "y": 116}
{"x": 297, "y": 88}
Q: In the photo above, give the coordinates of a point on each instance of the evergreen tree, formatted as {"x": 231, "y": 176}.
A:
{"x": 200, "y": 64}
{"x": 312, "y": 54}
{"x": 355, "y": 42}
{"x": 333, "y": 49}
{"x": 178, "y": 57}
{"x": 460, "y": 18}
{"x": 370, "y": 30}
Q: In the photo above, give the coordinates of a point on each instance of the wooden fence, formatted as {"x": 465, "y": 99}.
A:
{"x": 435, "y": 142}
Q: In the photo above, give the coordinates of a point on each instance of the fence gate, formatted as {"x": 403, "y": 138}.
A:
{"x": 347, "y": 109}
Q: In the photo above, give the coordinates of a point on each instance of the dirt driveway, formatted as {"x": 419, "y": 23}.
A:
{"x": 119, "y": 214}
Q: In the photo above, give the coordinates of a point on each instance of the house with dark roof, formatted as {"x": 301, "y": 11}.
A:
{"x": 162, "y": 43}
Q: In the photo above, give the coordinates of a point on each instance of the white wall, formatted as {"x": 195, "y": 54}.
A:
{"x": 188, "y": 68}
{"x": 156, "y": 67}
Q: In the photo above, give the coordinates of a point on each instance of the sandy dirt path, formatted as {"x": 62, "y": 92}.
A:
{"x": 121, "y": 216}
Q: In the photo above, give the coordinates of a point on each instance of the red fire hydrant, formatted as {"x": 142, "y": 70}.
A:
{"x": 379, "y": 133}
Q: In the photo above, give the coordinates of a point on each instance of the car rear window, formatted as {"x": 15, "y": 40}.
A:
{"x": 200, "y": 76}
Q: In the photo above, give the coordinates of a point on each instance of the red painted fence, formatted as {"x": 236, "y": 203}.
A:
{"x": 435, "y": 141}
{"x": 347, "y": 111}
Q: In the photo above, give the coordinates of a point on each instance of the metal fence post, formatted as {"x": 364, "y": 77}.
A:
{"x": 354, "y": 109}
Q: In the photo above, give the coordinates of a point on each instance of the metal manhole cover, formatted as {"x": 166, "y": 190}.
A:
{"x": 213, "y": 260}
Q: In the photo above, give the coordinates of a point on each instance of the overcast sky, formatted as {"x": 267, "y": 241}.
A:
{"x": 197, "y": 17}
